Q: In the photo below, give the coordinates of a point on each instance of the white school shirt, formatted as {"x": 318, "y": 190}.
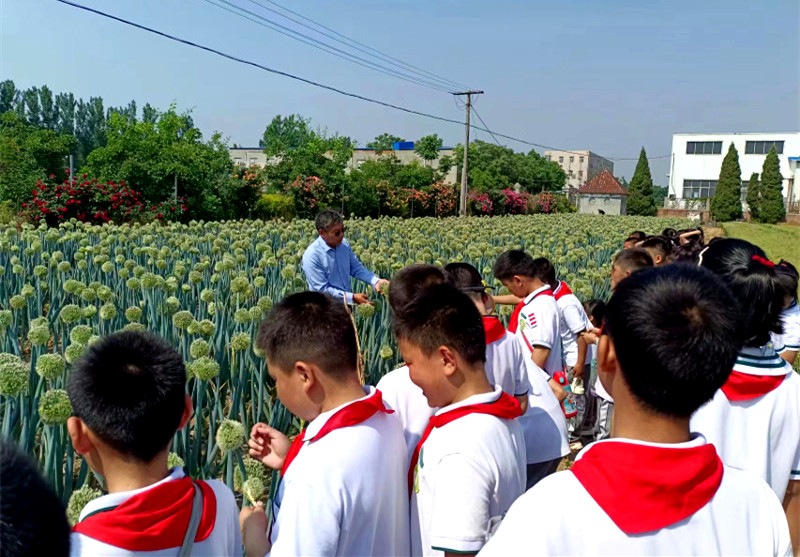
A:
{"x": 345, "y": 493}
{"x": 572, "y": 321}
{"x": 761, "y": 435}
{"x": 505, "y": 363}
{"x": 742, "y": 518}
{"x": 539, "y": 325}
{"x": 225, "y": 538}
{"x": 470, "y": 472}
{"x": 789, "y": 341}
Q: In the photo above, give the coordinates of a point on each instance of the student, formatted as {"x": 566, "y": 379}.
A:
{"x": 754, "y": 419}
{"x": 543, "y": 420}
{"x": 128, "y": 398}
{"x": 659, "y": 248}
{"x": 629, "y": 261}
{"x": 604, "y": 404}
{"x": 469, "y": 466}
{"x": 634, "y": 238}
{"x": 787, "y": 344}
{"x": 671, "y": 335}
{"x": 33, "y": 521}
{"x": 342, "y": 489}
{"x": 399, "y": 392}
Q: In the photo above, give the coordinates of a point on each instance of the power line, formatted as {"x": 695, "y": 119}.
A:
{"x": 320, "y": 85}
{"x": 296, "y": 35}
{"x": 484, "y": 125}
{"x": 356, "y": 45}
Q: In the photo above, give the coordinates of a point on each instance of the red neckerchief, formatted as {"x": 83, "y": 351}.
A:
{"x": 492, "y": 328}
{"x": 154, "y": 520}
{"x": 506, "y": 407}
{"x": 644, "y": 488}
{"x": 562, "y": 290}
{"x": 743, "y": 386}
{"x": 349, "y": 415}
{"x": 514, "y": 322}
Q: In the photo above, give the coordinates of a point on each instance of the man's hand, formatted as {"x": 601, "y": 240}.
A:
{"x": 268, "y": 445}
{"x": 360, "y": 298}
{"x": 253, "y": 524}
{"x": 380, "y": 283}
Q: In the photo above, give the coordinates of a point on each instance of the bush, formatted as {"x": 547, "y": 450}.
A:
{"x": 7, "y": 212}
{"x": 274, "y": 206}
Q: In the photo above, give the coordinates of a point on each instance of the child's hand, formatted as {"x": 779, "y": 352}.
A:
{"x": 268, "y": 445}
{"x": 253, "y": 524}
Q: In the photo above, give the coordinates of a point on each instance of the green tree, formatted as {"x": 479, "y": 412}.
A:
{"x": 726, "y": 205}
{"x": 659, "y": 195}
{"x": 384, "y": 142}
{"x": 428, "y": 148}
{"x": 65, "y": 105}
{"x": 443, "y": 168}
{"x": 9, "y": 96}
{"x": 640, "y": 200}
{"x": 33, "y": 110}
{"x": 285, "y": 133}
{"x": 754, "y": 197}
{"x": 49, "y": 108}
{"x": 772, "y": 210}
{"x": 90, "y": 127}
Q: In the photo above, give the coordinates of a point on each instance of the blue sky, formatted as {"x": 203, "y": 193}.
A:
{"x": 606, "y": 75}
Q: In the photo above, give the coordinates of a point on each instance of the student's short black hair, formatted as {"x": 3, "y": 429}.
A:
{"x": 633, "y": 259}
{"x": 408, "y": 281}
{"x": 670, "y": 233}
{"x": 129, "y": 390}
{"x": 465, "y": 278}
{"x": 440, "y": 315}
{"x": 596, "y": 309}
{"x": 677, "y": 332}
{"x": 310, "y": 327}
{"x": 787, "y": 276}
{"x": 547, "y": 273}
{"x": 755, "y": 285}
{"x": 515, "y": 262}
{"x": 662, "y": 244}
{"x": 637, "y": 235}
{"x": 327, "y": 218}
{"x": 33, "y": 521}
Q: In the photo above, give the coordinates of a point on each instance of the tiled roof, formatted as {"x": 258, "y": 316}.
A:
{"x": 603, "y": 184}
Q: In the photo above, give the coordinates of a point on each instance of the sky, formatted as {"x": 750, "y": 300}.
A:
{"x": 611, "y": 76}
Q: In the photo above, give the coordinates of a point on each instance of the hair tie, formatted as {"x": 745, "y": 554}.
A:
{"x": 763, "y": 261}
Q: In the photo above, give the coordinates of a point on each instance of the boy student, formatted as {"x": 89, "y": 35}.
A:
{"x": 469, "y": 466}
{"x": 659, "y": 248}
{"x": 634, "y": 238}
{"x": 128, "y": 398}
{"x": 670, "y": 338}
{"x": 343, "y": 479}
{"x": 627, "y": 262}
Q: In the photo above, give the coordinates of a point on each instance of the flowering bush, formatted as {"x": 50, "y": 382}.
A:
{"x": 480, "y": 203}
{"x": 545, "y": 202}
{"x": 515, "y": 203}
{"x": 308, "y": 193}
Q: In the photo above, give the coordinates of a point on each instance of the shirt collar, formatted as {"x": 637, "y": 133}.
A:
{"x": 482, "y": 398}
{"x": 316, "y": 424}
{"x": 533, "y": 294}
{"x": 116, "y": 499}
{"x": 696, "y": 440}
{"x": 323, "y": 244}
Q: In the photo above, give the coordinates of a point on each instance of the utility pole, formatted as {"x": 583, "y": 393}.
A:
{"x": 462, "y": 207}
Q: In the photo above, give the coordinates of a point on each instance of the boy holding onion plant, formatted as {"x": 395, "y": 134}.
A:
{"x": 128, "y": 397}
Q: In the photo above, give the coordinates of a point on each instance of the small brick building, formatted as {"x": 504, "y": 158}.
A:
{"x": 602, "y": 195}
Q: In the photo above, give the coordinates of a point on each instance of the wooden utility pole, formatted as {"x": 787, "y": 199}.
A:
{"x": 462, "y": 207}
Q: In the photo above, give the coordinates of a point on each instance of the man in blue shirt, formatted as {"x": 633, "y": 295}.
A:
{"x": 328, "y": 262}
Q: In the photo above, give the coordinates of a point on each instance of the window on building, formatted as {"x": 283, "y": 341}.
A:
{"x": 572, "y": 159}
{"x": 762, "y": 147}
{"x": 699, "y": 189}
{"x": 561, "y": 159}
{"x": 580, "y": 159}
{"x": 571, "y": 174}
{"x": 580, "y": 174}
{"x": 704, "y": 147}
{"x": 547, "y": 157}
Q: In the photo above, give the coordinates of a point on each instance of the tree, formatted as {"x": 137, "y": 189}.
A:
{"x": 754, "y": 197}
{"x": 726, "y": 205}
{"x": 384, "y": 142}
{"x": 659, "y": 195}
{"x": 640, "y": 200}
{"x": 428, "y": 147}
{"x": 49, "y": 108}
{"x": 285, "y": 133}
{"x": 9, "y": 96}
{"x": 33, "y": 110}
{"x": 772, "y": 210}
{"x": 65, "y": 104}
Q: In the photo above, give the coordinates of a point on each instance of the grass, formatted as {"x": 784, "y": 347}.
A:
{"x": 779, "y": 241}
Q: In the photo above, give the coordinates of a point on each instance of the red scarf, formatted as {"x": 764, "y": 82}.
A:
{"x": 562, "y": 290}
{"x": 153, "y": 520}
{"x": 743, "y": 386}
{"x": 493, "y": 329}
{"x": 644, "y": 488}
{"x": 506, "y": 407}
{"x": 352, "y": 414}
{"x": 514, "y": 321}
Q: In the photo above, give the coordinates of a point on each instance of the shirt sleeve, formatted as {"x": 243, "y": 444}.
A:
{"x": 538, "y": 329}
{"x": 317, "y": 276}
{"x": 360, "y": 272}
{"x": 791, "y": 332}
{"x": 575, "y": 319}
{"x": 306, "y": 524}
{"x": 460, "y": 521}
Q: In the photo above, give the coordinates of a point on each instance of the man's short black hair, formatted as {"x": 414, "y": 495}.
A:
{"x": 633, "y": 259}
{"x": 755, "y": 285}
{"x": 327, "y": 218}
{"x": 129, "y": 390}
{"x": 440, "y": 315}
{"x": 515, "y": 262}
{"x": 465, "y": 278}
{"x": 788, "y": 277}
{"x": 32, "y": 519}
{"x": 677, "y": 332}
{"x": 661, "y": 244}
{"x": 310, "y": 327}
{"x": 408, "y": 282}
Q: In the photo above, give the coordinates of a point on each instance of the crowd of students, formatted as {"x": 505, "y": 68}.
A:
{"x": 679, "y": 389}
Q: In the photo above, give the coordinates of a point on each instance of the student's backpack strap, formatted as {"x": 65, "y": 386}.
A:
{"x": 194, "y": 522}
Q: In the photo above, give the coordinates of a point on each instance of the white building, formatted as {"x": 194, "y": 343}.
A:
{"x": 697, "y": 160}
